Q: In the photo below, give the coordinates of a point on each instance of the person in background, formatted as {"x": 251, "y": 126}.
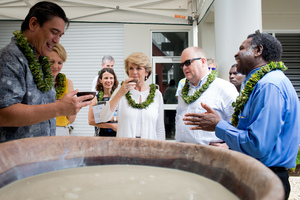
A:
{"x": 107, "y": 62}
{"x": 107, "y": 83}
{"x": 170, "y": 98}
{"x": 169, "y": 95}
{"x": 62, "y": 86}
{"x": 266, "y": 119}
{"x": 27, "y": 104}
{"x": 212, "y": 65}
{"x": 202, "y": 85}
{"x": 140, "y": 106}
{"x": 235, "y": 77}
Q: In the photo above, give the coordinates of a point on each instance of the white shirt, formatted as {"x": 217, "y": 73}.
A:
{"x": 180, "y": 86}
{"x": 93, "y": 89}
{"x": 219, "y": 96}
{"x": 151, "y": 119}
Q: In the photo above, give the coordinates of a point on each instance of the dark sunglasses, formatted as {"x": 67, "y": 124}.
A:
{"x": 188, "y": 62}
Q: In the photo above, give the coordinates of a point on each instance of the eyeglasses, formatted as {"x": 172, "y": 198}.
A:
{"x": 213, "y": 68}
{"x": 188, "y": 62}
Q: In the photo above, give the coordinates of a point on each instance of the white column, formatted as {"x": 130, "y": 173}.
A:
{"x": 195, "y": 33}
{"x": 234, "y": 21}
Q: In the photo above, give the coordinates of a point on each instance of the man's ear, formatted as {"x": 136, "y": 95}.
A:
{"x": 258, "y": 50}
{"x": 33, "y": 23}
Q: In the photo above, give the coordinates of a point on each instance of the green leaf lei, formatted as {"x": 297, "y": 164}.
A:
{"x": 101, "y": 94}
{"x": 42, "y": 78}
{"x": 244, "y": 96}
{"x": 60, "y": 85}
{"x": 185, "y": 90}
{"x": 144, "y": 104}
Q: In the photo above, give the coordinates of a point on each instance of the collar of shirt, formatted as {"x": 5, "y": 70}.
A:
{"x": 248, "y": 77}
{"x": 201, "y": 82}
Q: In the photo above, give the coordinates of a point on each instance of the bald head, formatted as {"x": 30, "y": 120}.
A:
{"x": 194, "y": 65}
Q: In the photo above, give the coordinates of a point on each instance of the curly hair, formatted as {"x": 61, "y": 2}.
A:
{"x": 139, "y": 59}
{"x": 99, "y": 86}
{"x": 272, "y": 49}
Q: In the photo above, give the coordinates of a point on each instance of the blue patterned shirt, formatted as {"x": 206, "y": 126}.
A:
{"x": 17, "y": 86}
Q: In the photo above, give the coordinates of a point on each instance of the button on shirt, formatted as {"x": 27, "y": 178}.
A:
{"x": 220, "y": 95}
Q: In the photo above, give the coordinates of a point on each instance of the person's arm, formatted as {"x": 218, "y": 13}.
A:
{"x": 71, "y": 118}
{"x": 258, "y": 136}
{"x": 262, "y": 125}
{"x": 19, "y": 114}
{"x": 110, "y": 107}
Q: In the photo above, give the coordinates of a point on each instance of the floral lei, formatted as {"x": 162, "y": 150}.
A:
{"x": 185, "y": 90}
{"x": 144, "y": 104}
{"x": 60, "y": 85}
{"x": 244, "y": 96}
{"x": 42, "y": 78}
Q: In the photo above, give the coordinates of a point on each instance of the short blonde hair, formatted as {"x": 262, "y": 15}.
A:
{"x": 212, "y": 61}
{"x": 60, "y": 50}
{"x": 139, "y": 59}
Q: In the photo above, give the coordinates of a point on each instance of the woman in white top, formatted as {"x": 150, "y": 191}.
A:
{"x": 140, "y": 106}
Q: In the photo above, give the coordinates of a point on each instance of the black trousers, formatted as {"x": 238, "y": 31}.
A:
{"x": 283, "y": 175}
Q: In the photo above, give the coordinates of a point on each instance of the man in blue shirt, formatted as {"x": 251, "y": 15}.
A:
{"x": 265, "y": 124}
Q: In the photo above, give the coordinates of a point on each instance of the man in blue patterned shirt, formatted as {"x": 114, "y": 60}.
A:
{"x": 27, "y": 101}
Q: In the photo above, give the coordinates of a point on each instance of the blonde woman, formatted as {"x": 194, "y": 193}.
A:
{"x": 62, "y": 85}
{"x": 140, "y": 106}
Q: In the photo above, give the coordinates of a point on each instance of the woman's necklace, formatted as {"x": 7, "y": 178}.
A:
{"x": 146, "y": 103}
{"x": 243, "y": 98}
{"x": 185, "y": 90}
{"x": 60, "y": 85}
{"x": 101, "y": 94}
{"x": 42, "y": 78}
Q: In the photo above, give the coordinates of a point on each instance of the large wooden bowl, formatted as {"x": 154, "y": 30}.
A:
{"x": 241, "y": 174}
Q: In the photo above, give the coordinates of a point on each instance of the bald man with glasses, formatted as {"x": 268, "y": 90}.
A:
{"x": 202, "y": 85}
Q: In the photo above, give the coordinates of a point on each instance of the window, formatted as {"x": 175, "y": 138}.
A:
{"x": 291, "y": 57}
{"x": 169, "y": 43}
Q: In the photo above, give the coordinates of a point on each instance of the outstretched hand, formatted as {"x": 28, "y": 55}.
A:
{"x": 203, "y": 121}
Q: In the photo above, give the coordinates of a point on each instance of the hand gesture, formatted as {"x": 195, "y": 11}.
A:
{"x": 203, "y": 121}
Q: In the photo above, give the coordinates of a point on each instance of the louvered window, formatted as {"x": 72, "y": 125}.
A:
{"x": 291, "y": 56}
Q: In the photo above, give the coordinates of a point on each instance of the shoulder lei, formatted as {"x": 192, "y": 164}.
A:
{"x": 185, "y": 90}
{"x": 42, "y": 77}
{"x": 145, "y": 104}
{"x": 244, "y": 96}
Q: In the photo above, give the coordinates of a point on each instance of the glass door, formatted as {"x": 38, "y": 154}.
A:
{"x": 166, "y": 75}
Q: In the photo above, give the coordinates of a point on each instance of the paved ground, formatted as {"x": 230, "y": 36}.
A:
{"x": 295, "y": 188}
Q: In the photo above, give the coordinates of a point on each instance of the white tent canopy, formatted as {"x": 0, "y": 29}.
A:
{"x": 116, "y": 11}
